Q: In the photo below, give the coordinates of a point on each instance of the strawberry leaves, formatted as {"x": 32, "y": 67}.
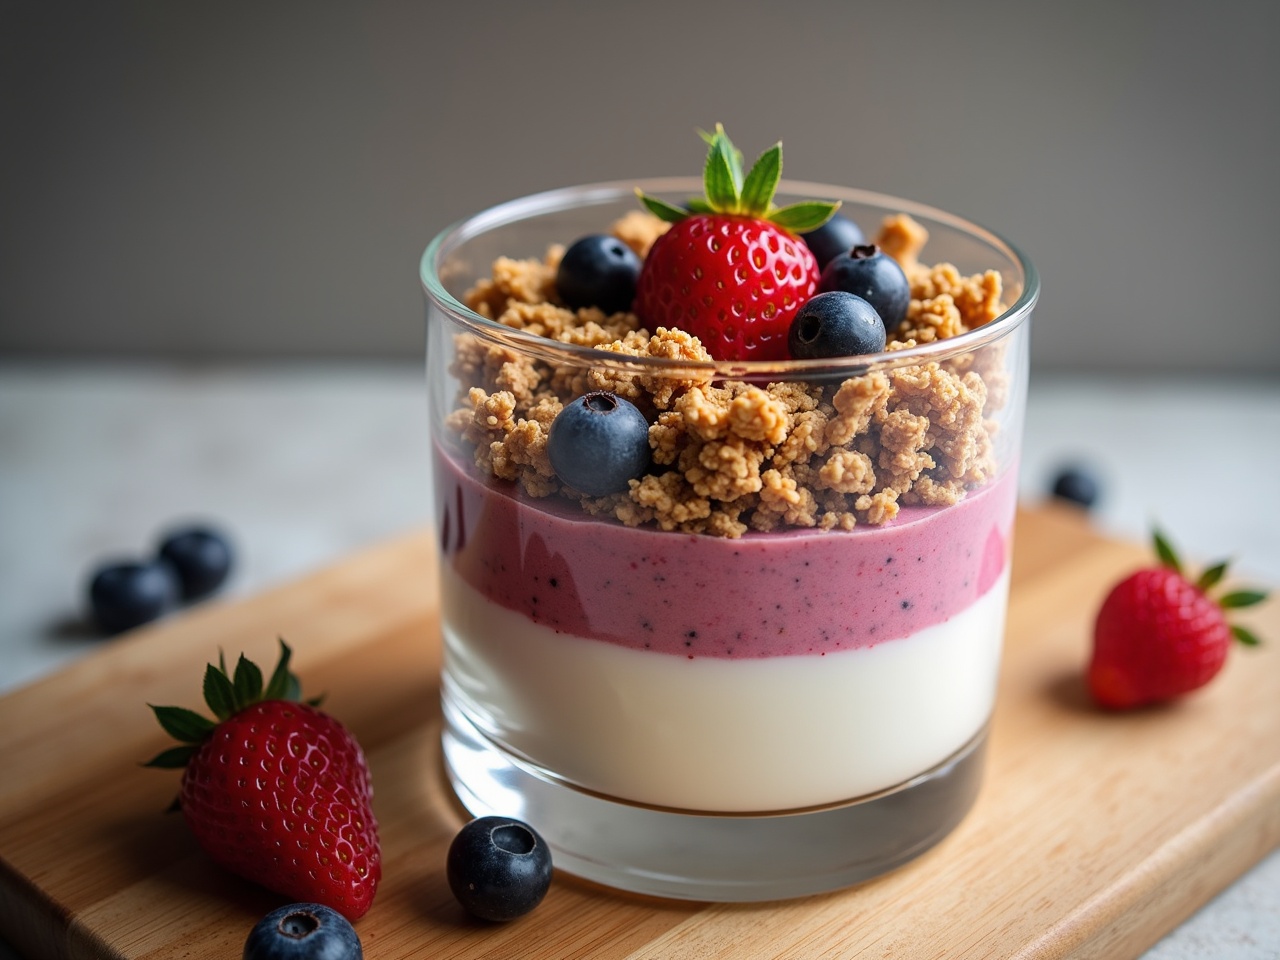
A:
{"x": 283, "y": 685}
{"x": 1235, "y": 601}
{"x": 1168, "y": 557}
{"x": 722, "y": 176}
{"x": 219, "y": 693}
{"x": 247, "y": 682}
{"x": 761, "y": 184}
{"x": 183, "y": 724}
{"x": 729, "y": 191}
{"x": 1212, "y": 575}
{"x": 666, "y": 211}
{"x": 225, "y": 695}
{"x": 1245, "y": 636}
{"x": 1210, "y": 578}
{"x": 1241, "y": 598}
{"x": 804, "y": 216}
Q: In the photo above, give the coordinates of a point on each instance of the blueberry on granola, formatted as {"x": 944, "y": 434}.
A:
{"x": 598, "y": 443}
{"x": 866, "y": 271}
{"x": 838, "y": 235}
{"x": 836, "y": 324}
{"x": 598, "y": 271}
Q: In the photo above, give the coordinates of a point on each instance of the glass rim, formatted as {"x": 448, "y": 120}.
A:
{"x": 566, "y": 198}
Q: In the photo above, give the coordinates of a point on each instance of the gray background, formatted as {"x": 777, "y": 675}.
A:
{"x": 256, "y": 180}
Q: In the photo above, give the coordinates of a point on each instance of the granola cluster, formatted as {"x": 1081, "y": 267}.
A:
{"x": 730, "y": 456}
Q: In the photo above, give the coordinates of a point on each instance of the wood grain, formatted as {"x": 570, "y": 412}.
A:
{"x": 1094, "y": 833}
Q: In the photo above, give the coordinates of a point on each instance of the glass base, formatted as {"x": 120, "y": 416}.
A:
{"x": 690, "y": 855}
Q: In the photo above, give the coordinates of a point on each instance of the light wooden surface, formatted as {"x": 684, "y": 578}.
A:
{"x": 1094, "y": 833}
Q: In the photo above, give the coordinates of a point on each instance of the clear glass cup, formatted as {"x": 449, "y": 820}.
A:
{"x": 712, "y": 717}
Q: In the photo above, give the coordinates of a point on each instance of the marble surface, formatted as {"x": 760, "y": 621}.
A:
{"x": 305, "y": 464}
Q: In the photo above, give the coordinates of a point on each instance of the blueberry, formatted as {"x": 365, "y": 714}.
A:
{"x": 599, "y": 442}
{"x": 838, "y": 235}
{"x": 498, "y": 868}
{"x": 125, "y": 595}
{"x": 835, "y": 324}
{"x": 202, "y": 558}
{"x": 598, "y": 271}
{"x": 1078, "y": 485}
{"x": 303, "y": 931}
{"x": 875, "y": 277}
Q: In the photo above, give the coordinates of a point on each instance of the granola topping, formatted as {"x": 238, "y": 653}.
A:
{"x": 728, "y": 456}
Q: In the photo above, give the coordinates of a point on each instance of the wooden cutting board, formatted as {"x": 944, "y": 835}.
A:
{"x": 1093, "y": 836}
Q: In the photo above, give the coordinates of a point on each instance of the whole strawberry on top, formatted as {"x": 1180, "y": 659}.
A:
{"x": 275, "y": 790}
{"x": 1159, "y": 635}
{"x": 731, "y": 269}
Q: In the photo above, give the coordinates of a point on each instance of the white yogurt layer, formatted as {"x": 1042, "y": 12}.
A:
{"x": 713, "y": 734}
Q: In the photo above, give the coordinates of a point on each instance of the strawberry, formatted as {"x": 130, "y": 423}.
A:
{"x": 731, "y": 270}
{"x": 276, "y": 791}
{"x": 1159, "y": 634}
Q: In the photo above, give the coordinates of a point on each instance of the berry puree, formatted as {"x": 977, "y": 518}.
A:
{"x": 787, "y": 593}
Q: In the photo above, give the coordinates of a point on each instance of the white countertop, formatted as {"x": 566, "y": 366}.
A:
{"x": 306, "y": 464}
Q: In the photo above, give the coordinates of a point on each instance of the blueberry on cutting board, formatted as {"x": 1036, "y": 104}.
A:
{"x": 498, "y": 868}
{"x": 127, "y": 594}
{"x": 303, "y": 931}
{"x": 201, "y": 557}
{"x": 1076, "y": 484}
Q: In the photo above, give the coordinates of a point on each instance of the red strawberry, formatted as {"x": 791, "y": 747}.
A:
{"x": 731, "y": 271}
{"x": 276, "y": 791}
{"x": 1159, "y": 635}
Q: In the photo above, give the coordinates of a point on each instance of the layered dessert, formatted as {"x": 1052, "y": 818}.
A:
{"x": 757, "y": 588}
{"x": 772, "y": 672}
